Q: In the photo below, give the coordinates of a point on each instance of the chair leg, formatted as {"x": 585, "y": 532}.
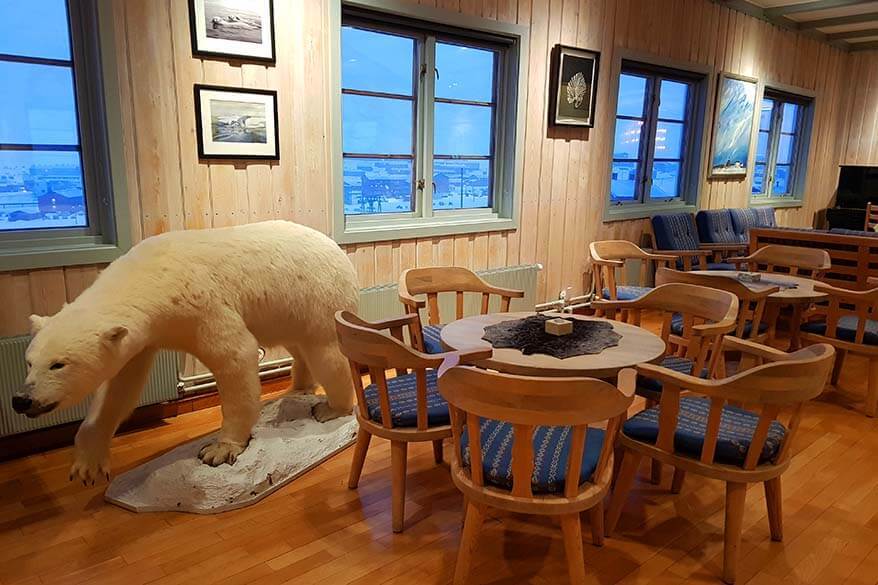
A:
{"x": 437, "y": 451}
{"x": 872, "y": 389}
{"x": 472, "y": 526}
{"x": 655, "y": 472}
{"x": 677, "y": 483}
{"x": 398, "y": 454}
{"x": 774, "y": 502}
{"x": 840, "y": 354}
{"x": 736, "y": 495}
{"x": 572, "y": 529}
{"x": 360, "y": 450}
{"x": 596, "y": 517}
{"x": 630, "y": 463}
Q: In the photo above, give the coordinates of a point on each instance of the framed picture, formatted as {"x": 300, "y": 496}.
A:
{"x": 733, "y": 128}
{"x": 574, "y": 86}
{"x": 236, "y": 123}
{"x": 240, "y": 29}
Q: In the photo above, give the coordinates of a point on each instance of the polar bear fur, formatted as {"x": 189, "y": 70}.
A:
{"x": 217, "y": 294}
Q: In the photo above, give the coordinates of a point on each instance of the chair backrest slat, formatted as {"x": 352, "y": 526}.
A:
{"x": 421, "y": 379}
{"x": 380, "y": 380}
{"x": 768, "y": 416}
{"x": 578, "y": 438}
{"x": 714, "y": 417}
{"x": 357, "y": 377}
{"x": 669, "y": 413}
{"x": 474, "y": 433}
{"x": 605, "y": 257}
{"x": 522, "y": 460}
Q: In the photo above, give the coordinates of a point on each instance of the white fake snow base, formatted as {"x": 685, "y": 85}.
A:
{"x": 286, "y": 442}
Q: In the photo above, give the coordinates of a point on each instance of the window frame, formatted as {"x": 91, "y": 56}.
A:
{"x": 702, "y": 78}
{"x": 507, "y": 146}
{"x": 805, "y": 99}
{"x": 107, "y": 234}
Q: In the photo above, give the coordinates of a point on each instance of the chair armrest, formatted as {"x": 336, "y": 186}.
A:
{"x": 683, "y": 253}
{"x": 673, "y": 377}
{"x": 461, "y": 357}
{"x": 602, "y": 262}
{"x": 732, "y": 343}
{"x": 506, "y": 292}
{"x": 405, "y": 320}
{"x": 844, "y": 293}
{"x": 659, "y": 257}
{"x": 723, "y": 247}
{"x": 410, "y": 301}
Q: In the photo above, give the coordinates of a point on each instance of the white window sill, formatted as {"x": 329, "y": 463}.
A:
{"x": 615, "y": 212}
{"x": 21, "y": 256}
{"x": 776, "y": 202}
{"x": 361, "y": 230}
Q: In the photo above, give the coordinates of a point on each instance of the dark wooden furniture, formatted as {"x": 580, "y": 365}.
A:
{"x": 854, "y": 257}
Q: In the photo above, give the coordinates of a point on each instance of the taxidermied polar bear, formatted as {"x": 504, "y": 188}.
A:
{"x": 217, "y": 294}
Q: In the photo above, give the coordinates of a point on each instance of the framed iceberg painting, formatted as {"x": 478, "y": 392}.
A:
{"x": 733, "y": 130}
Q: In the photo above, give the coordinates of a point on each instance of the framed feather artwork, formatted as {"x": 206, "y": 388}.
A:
{"x": 574, "y": 86}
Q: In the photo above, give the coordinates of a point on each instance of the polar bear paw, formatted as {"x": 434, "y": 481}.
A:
{"x": 322, "y": 412}
{"x": 215, "y": 454}
{"x": 88, "y": 469}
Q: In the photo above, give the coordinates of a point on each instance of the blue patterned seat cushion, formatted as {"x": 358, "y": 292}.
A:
{"x": 651, "y": 388}
{"x": 627, "y": 293}
{"x": 403, "y": 393}
{"x": 715, "y": 226}
{"x": 677, "y": 326}
{"x": 432, "y": 339}
{"x": 735, "y": 431}
{"x": 846, "y": 330}
{"x": 551, "y": 451}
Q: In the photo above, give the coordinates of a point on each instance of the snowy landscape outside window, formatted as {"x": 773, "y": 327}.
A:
{"x": 781, "y": 146}
{"x": 41, "y": 168}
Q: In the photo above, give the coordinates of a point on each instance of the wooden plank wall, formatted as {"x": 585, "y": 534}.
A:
{"x": 859, "y": 140}
{"x": 566, "y": 171}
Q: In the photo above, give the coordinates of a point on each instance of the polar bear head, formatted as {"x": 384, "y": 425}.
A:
{"x": 68, "y": 358}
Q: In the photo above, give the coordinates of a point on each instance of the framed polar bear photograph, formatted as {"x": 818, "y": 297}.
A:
{"x": 236, "y": 123}
{"x": 238, "y": 29}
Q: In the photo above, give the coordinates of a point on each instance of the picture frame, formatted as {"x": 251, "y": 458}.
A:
{"x": 573, "y": 92}
{"x": 733, "y": 126}
{"x": 234, "y": 29}
{"x": 236, "y": 123}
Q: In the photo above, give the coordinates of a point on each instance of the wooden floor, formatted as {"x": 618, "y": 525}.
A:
{"x": 318, "y": 531}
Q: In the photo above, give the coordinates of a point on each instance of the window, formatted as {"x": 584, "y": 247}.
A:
{"x": 781, "y": 147}
{"x": 654, "y": 148}
{"x": 54, "y": 163}
{"x": 427, "y": 127}
{"x": 41, "y": 183}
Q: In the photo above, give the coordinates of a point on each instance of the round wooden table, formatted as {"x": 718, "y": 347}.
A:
{"x": 799, "y": 297}
{"x": 637, "y": 346}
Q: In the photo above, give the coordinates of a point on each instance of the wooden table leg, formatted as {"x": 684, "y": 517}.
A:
{"x": 795, "y": 326}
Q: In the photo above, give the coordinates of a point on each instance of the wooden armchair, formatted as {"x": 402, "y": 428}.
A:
{"x": 700, "y": 433}
{"x": 794, "y": 259}
{"x": 848, "y": 320}
{"x": 609, "y": 255}
{"x": 403, "y": 409}
{"x": 694, "y": 321}
{"x": 750, "y": 323}
{"x": 551, "y": 462}
{"x": 441, "y": 279}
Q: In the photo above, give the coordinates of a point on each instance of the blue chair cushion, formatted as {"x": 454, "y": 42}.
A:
{"x": 403, "y": 393}
{"x": 432, "y": 339}
{"x": 715, "y": 226}
{"x": 721, "y": 266}
{"x": 735, "y": 431}
{"x": 651, "y": 388}
{"x": 551, "y": 452}
{"x": 675, "y": 231}
{"x": 744, "y": 219}
{"x": 846, "y": 330}
{"x": 677, "y": 326}
{"x": 627, "y": 293}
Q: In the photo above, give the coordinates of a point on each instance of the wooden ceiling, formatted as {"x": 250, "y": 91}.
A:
{"x": 852, "y": 24}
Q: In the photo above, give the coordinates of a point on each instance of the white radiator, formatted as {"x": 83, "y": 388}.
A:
{"x": 162, "y": 386}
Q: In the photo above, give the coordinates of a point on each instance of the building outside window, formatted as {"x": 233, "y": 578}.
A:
{"x": 428, "y": 127}
{"x": 781, "y": 146}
